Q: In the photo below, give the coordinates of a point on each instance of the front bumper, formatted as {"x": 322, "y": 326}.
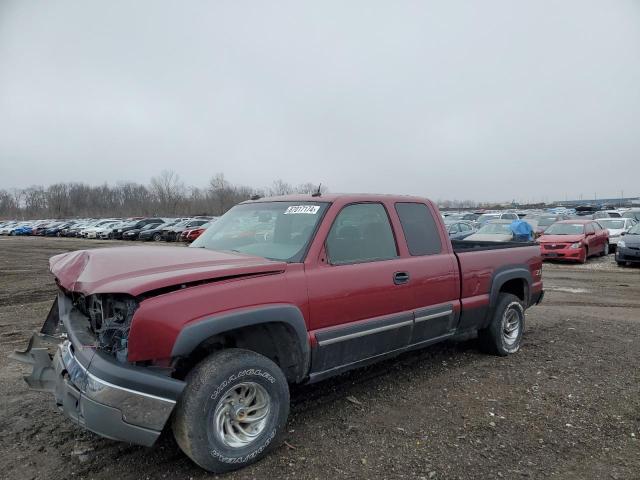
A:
{"x": 115, "y": 400}
{"x": 626, "y": 254}
{"x": 566, "y": 253}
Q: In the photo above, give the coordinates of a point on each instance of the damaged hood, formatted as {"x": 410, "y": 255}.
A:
{"x": 136, "y": 270}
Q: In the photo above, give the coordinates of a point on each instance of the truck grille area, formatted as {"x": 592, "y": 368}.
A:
{"x": 109, "y": 320}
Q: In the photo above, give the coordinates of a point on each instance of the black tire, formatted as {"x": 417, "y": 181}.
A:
{"x": 621, "y": 264}
{"x": 605, "y": 250}
{"x": 157, "y": 237}
{"x": 494, "y": 339}
{"x": 208, "y": 384}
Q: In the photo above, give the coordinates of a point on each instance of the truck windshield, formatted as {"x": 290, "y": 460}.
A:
{"x": 273, "y": 230}
{"x": 565, "y": 229}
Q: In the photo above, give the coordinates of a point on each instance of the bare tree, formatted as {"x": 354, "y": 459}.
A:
{"x": 168, "y": 190}
{"x": 166, "y": 194}
{"x": 280, "y": 187}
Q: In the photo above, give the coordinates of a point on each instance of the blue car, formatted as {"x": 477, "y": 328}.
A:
{"x": 21, "y": 230}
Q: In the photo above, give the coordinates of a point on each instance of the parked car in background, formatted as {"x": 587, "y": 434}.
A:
{"x": 633, "y": 213}
{"x": 486, "y": 217}
{"x": 135, "y": 224}
{"x": 172, "y": 234}
{"x": 616, "y": 227}
{"x": 628, "y": 248}
{"x": 93, "y": 226}
{"x": 56, "y": 230}
{"x": 96, "y": 231}
{"x": 493, "y": 231}
{"x": 574, "y": 240}
{"x": 606, "y": 214}
{"x": 193, "y": 233}
{"x": 21, "y": 229}
{"x": 105, "y": 232}
{"x": 459, "y": 229}
{"x": 6, "y": 228}
{"x": 545, "y": 221}
{"x": 155, "y": 233}
{"x": 133, "y": 233}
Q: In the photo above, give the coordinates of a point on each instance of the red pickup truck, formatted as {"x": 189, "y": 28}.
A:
{"x": 207, "y": 339}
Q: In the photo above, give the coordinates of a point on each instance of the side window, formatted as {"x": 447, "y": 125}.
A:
{"x": 419, "y": 228}
{"x": 361, "y": 233}
{"x": 589, "y": 228}
{"x": 453, "y": 229}
{"x": 464, "y": 227}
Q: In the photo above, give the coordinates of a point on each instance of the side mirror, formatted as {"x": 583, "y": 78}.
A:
{"x": 589, "y": 234}
{"x": 623, "y": 233}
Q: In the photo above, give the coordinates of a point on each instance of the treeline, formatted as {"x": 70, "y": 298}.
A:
{"x": 166, "y": 195}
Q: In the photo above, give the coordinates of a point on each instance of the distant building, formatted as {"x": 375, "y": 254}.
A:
{"x": 601, "y": 202}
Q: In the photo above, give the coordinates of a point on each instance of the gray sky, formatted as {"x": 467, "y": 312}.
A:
{"x": 486, "y": 100}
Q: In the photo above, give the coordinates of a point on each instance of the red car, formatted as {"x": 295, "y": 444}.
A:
{"x": 207, "y": 339}
{"x": 574, "y": 240}
{"x": 190, "y": 235}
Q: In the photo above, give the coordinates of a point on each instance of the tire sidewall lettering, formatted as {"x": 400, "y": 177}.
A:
{"x": 262, "y": 376}
{"x": 245, "y": 458}
{"x": 257, "y": 372}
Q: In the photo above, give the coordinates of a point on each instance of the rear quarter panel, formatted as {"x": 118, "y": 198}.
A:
{"x": 483, "y": 271}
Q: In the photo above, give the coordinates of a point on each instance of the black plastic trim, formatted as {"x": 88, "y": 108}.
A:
{"x": 194, "y": 334}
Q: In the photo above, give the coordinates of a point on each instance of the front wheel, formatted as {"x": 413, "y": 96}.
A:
{"x": 585, "y": 255}
{"x": 157, "y": 237}
{"x": 232, "y": 411}
{"x": 605, "y": 250}
{"x": 503, "y": 336}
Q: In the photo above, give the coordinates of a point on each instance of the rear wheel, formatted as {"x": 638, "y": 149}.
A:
{"x": 232, "y": 411}
{"x": 503, "y": 336}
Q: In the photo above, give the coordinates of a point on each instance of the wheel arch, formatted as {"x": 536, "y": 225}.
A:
{"x": 276, "y": 331}
{"x": 514, "y": 280}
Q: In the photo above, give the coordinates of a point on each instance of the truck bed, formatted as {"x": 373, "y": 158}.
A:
{"x": 460, "y": 246}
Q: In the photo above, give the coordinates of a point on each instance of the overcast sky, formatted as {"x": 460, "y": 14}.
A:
{"x": 485, "y": 100}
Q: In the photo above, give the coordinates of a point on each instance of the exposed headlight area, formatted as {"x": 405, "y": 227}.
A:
{"x": 110, "y": 318}
{"x": 576, "y": 245}
{"x": 621, "y": 243}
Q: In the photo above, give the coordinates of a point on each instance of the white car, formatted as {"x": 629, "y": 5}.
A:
{"x": 616, "y": 227}
{"x": 94, "y": 232}
{"x": 105, "y": 232}
{"x": 7, "y": 227}
{"x": 92, "y": 227}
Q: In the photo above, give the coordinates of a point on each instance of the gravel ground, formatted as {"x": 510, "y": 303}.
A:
{"x": 566, "y": 406}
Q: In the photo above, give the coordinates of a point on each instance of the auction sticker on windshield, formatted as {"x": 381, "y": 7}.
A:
{"x": 308, "y": 209}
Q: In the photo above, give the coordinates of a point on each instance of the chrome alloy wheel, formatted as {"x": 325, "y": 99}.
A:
{"x": 241, "y": 414}
{"x": 511, "y": 324}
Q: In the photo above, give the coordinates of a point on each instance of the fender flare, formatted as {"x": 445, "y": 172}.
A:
{"x": 502, "y": 276}
{"x": 197, "y": 332}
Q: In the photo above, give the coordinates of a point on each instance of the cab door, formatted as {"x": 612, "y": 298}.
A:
{"x": 433, "y": 268}
{"x": 359, "y": 290}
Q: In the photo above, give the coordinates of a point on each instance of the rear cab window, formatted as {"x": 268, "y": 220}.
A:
{"x": 420, "y": 229}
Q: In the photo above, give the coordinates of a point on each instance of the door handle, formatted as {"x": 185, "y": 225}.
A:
{"x": 400, "y": 277}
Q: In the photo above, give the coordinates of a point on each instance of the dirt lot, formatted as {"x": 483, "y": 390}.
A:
{"x": 566, "y": 406}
